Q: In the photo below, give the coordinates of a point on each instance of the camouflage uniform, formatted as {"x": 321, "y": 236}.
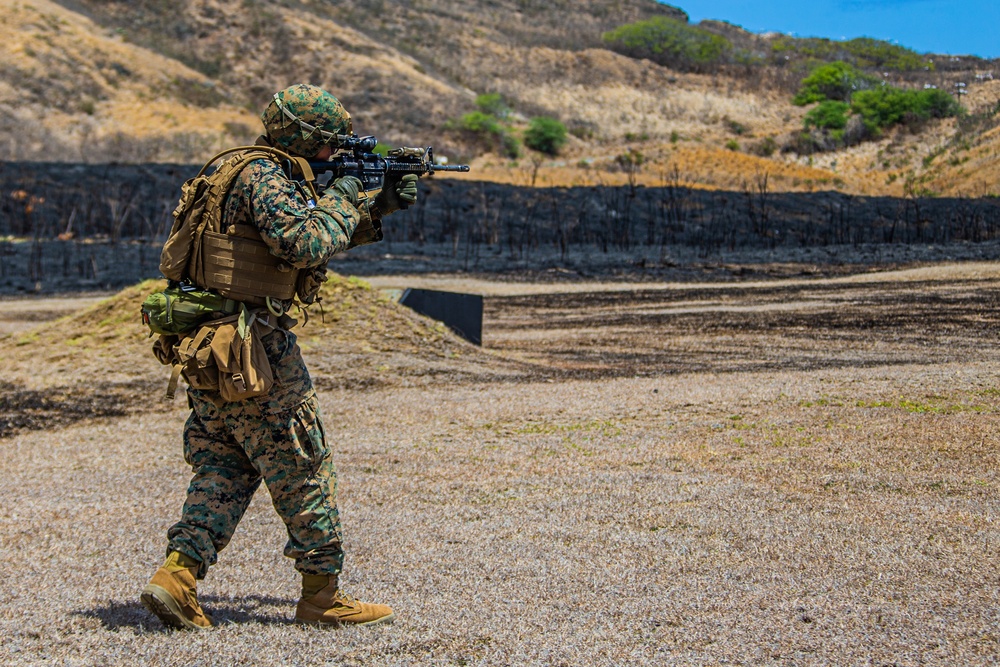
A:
{"x": 278, "y": 437}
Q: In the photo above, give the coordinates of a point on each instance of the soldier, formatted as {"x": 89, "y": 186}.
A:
{"x": 277, "y": 437}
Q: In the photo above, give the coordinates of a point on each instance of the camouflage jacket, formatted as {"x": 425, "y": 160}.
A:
{"x": 300, "y": 232}
{"x": 305, "y": 234}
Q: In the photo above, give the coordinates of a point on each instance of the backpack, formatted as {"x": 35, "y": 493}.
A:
{"x": 207, "y": 333}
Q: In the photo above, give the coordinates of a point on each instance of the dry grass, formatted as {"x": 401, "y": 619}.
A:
{"x": 835, "y": 505}
{"x": 75, "y": 85}
{"x": 99, "y": 96}
{"x": 696, "y": 166}
{"x": 369, "y": 336}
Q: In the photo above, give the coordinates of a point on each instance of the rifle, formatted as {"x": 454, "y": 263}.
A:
{"x": 355, "y": 158}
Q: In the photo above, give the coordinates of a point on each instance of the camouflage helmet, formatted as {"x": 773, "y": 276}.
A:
{"x": 303, "y": 118}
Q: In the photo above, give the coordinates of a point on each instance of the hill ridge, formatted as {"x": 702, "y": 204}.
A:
{"x": 174, "y": 82}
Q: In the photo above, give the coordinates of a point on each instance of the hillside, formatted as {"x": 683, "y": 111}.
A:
{"x": 89, "y": 80}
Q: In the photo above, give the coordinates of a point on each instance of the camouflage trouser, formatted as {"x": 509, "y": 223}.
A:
{"x": 278, "y": 438}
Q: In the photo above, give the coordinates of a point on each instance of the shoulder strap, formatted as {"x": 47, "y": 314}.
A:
{"x": 255, "y": 152}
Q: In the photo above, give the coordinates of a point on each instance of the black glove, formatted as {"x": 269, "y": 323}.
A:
{"x": 397, "y": 194}
{"x": 347, "y": 187}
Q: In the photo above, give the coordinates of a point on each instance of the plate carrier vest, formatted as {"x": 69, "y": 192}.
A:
{"x": 234, "y": 262}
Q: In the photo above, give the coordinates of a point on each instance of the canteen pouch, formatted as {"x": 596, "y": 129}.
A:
{"x": 180, "y": 309}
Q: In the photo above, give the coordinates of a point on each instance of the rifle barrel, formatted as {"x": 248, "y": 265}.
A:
{"x": 422, "y": 167}
{"x": 450, "y": 167}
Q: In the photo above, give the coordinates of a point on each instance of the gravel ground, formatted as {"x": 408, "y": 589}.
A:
{"x": 778, "y": 475}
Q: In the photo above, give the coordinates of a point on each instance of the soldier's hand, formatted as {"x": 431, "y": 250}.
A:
{"x": 397, "y": 195}
{"x": 347, "y": 187}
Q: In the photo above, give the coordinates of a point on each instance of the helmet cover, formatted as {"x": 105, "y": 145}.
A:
{"x": 304, "y": 118}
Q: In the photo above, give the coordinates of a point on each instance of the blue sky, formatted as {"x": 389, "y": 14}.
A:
{"x": 955, "y": 27}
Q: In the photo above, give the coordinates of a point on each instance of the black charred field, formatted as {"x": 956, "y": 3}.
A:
{"x": 799, "y": 471}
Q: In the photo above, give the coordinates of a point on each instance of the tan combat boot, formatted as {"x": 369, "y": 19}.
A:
{"x": 172, "y": 597}
{"x": 331, "y": 607}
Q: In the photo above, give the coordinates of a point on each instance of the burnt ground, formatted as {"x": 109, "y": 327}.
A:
{"x": 64, "y": 228}
{"x": 733, "y": 329}
{"x": 24, "y": 409}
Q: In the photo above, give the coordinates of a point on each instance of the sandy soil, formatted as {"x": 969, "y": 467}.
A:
{"x": 784, "y": 473}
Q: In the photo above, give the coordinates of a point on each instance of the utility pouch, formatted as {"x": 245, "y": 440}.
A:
{"x": 197, "y": 365}
{"x": 180, "y": 309}
{"x": 225, "y": 355}
{"x": 241, "y": 360}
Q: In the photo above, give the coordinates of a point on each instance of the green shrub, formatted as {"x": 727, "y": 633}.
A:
{"x": 669, "y": 42}
{"x": 489, "y": 131}
{"x": 733, "y": 145}
{"x": 828, "y": 115}
{"x": 493, "y": 104}
{"x": 863, "y": 52}
{"x": 510, "y": 146}
{"x": 936, "y": 103}
{"x": 765, "y": 148}
{"x": 884, "y": 107}
{"x": 630, "y": 159}
{"x": 868, "y": 52}
{"x": 735, "y": 126}
{"x": 478, "y": 122}
{"x": 546, "y": 135}
{"x": 833, "y": 81}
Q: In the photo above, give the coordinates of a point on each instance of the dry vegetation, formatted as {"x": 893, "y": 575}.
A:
{"x": 162, "y": 81}
{"x": 70, "y": 91}
{"x": 787, "y": 472}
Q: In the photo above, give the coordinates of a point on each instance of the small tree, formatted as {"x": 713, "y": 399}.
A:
{"x": 546, "y": 135}
{"x": 631, "y": 162}
{"x": 833, "y": 81}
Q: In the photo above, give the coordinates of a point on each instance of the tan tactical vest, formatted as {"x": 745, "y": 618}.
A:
{"x": 234, "y": 262}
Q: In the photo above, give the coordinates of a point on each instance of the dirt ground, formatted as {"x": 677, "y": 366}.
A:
{"x": 22, "y": 314}
{"x": 791, "y": 472}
